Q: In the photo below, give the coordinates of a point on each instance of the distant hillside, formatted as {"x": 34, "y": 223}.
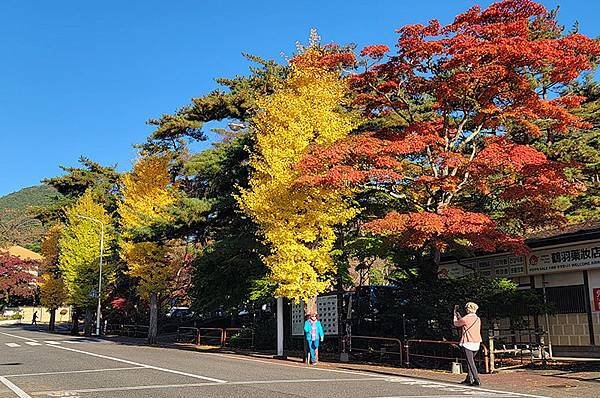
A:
{"x": 39, "y": 195}
{"x": 17, "y": 224}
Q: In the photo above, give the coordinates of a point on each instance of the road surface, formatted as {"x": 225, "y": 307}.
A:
{"x": 39, "y": 364}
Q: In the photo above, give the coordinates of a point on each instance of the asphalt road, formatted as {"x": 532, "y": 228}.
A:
{"x": 39, "y": 364}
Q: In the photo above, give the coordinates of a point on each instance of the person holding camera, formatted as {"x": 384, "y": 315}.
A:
{"x": 470, "y": 339}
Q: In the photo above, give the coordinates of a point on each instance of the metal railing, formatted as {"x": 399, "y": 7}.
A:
{"x": 187, "y": 334}
{"x": 436, "y": 351}
{"x": 382, "y": 347}
{"x": 239, "y": 337}
{"x": 135, "y": 330}
{"x": 516, "y": 349}
{"x": 220, "y": 337}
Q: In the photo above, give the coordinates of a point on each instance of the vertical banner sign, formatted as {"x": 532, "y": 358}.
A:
{"x": 596, "y": 292}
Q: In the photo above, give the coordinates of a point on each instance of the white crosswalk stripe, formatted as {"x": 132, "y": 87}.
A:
{"x": 53, "y": 343}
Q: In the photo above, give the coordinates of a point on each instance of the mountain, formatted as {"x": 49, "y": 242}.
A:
{"x": 17, "y": 222}
{"x": 39, "y": 195}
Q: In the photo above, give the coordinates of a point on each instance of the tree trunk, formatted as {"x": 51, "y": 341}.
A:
{"x": 75, "y": 322}
{"x": 52, "y": 320}
{"x": 89, "y": 320}
{"x": 431, "y": 268}
{"x": 153, "y": 326}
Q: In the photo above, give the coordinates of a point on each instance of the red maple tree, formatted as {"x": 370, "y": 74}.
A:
{"x": 451, "y": 116}
{"x": 17, "y": 278}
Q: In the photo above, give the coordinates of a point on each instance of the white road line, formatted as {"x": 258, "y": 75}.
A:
{"x": 20, "y": 393}
{"x": 140, "y": 364}
{"x": 33, "y": 343}
{"x": 400, "y": 377}
{"x": 157, "y": 386}
{"x": 292, "y": 366}
{"x": 52, "y": 342}
{"x": 17, "y": 337}
{"x": 68, "y": 372}
{"x": 13, "y": 345}
{"x": 468, "y": 389}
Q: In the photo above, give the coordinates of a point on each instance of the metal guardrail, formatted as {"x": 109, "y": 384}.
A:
{"x": 134, "y": 330}
{"x": 438, "y": 355}
{"x": 511, "y": 350}
{"x": 238, "y": 335}
{"x": 221, "y": 337}
{"x": 187, "y": 334}
{"x": 381, "y": 346}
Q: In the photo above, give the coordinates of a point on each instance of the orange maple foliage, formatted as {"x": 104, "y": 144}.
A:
{"x": 458, "y": 105}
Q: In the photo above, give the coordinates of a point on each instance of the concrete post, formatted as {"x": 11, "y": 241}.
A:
{"x": 280, "y": 354}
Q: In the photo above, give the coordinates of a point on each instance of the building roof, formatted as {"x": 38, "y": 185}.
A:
{"x": 22, "y": 253}
{"x": 569, "y": 233}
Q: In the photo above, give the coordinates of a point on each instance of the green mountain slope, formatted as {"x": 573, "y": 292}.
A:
{"x": 39, "y": 195}
{"x": 17, "y": 223}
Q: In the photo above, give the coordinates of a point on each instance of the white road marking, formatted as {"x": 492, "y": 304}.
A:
{"x": 453, "y": 388}
{"x": 33, "y": 343}
{"x": 402, "y": 379}
{"x": 157, "y": 386}
{"x": 68, "y": 372}
{"x": 140, "y": 364}
{"x": 13, "y": 345}
{"x": 292, "y": 366}
{"x": 20, "y": 393}
{"x": 17, "y": 337}
{"x": 52, "y": 342}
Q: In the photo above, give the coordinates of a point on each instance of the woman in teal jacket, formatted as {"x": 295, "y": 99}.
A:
{"x": 313, "y": 331}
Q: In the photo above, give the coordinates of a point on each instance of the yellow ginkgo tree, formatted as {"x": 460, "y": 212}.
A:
{"x": 298, "y": 221}
{"x": 80, "y": 253}
{"x": 53, "y": 293}
{"x": 148, "y": 195}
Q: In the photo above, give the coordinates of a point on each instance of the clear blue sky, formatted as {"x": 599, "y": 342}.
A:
{"x": 82, "y": 77}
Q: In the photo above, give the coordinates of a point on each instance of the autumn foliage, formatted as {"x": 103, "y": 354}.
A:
{"x": 17, "y": 277}
{"x": 297, "y": 222}
{"x": 449, "y": 118}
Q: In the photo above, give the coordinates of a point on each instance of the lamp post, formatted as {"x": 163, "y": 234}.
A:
{"x": 98, "y": 312}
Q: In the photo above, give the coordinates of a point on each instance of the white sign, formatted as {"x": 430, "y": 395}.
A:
{"x": 567, "y": 258}
{"x": 500, "y": 266}
{"x": 327, "y": 307}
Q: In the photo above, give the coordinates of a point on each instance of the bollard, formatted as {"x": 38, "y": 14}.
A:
{"x": 492, "y": 356}
{"x": 456, "y": 367}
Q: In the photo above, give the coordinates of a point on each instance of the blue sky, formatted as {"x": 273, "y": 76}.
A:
{"x": 82, "y": 77}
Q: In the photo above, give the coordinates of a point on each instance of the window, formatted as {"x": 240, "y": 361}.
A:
{"x": 567, "y": 299}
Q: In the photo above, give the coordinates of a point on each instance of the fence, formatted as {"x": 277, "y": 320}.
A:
{"x": 238, "y": 337}
{"x": 432, "y": 353}
{"x": 221, "y": 337}
{"x": 134, "y": 330}
{"x": 512, "y": 348}
{"x": 368, "y": 347}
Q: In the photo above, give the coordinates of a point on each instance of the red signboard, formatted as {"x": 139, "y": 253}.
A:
{"x": 596, "y": 298}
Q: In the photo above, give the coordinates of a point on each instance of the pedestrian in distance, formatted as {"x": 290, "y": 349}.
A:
{"x": 470, "y": 339}
{"x": 313, "y": 332}
{"x": 34, "y": 318}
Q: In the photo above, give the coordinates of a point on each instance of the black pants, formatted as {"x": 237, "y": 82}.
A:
{"x": 470, "y": 355}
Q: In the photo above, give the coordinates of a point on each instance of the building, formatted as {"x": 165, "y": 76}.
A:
{"x": 565, "y": 266}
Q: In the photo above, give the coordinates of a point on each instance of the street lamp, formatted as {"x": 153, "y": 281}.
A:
{"x": 100, "y": 276}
